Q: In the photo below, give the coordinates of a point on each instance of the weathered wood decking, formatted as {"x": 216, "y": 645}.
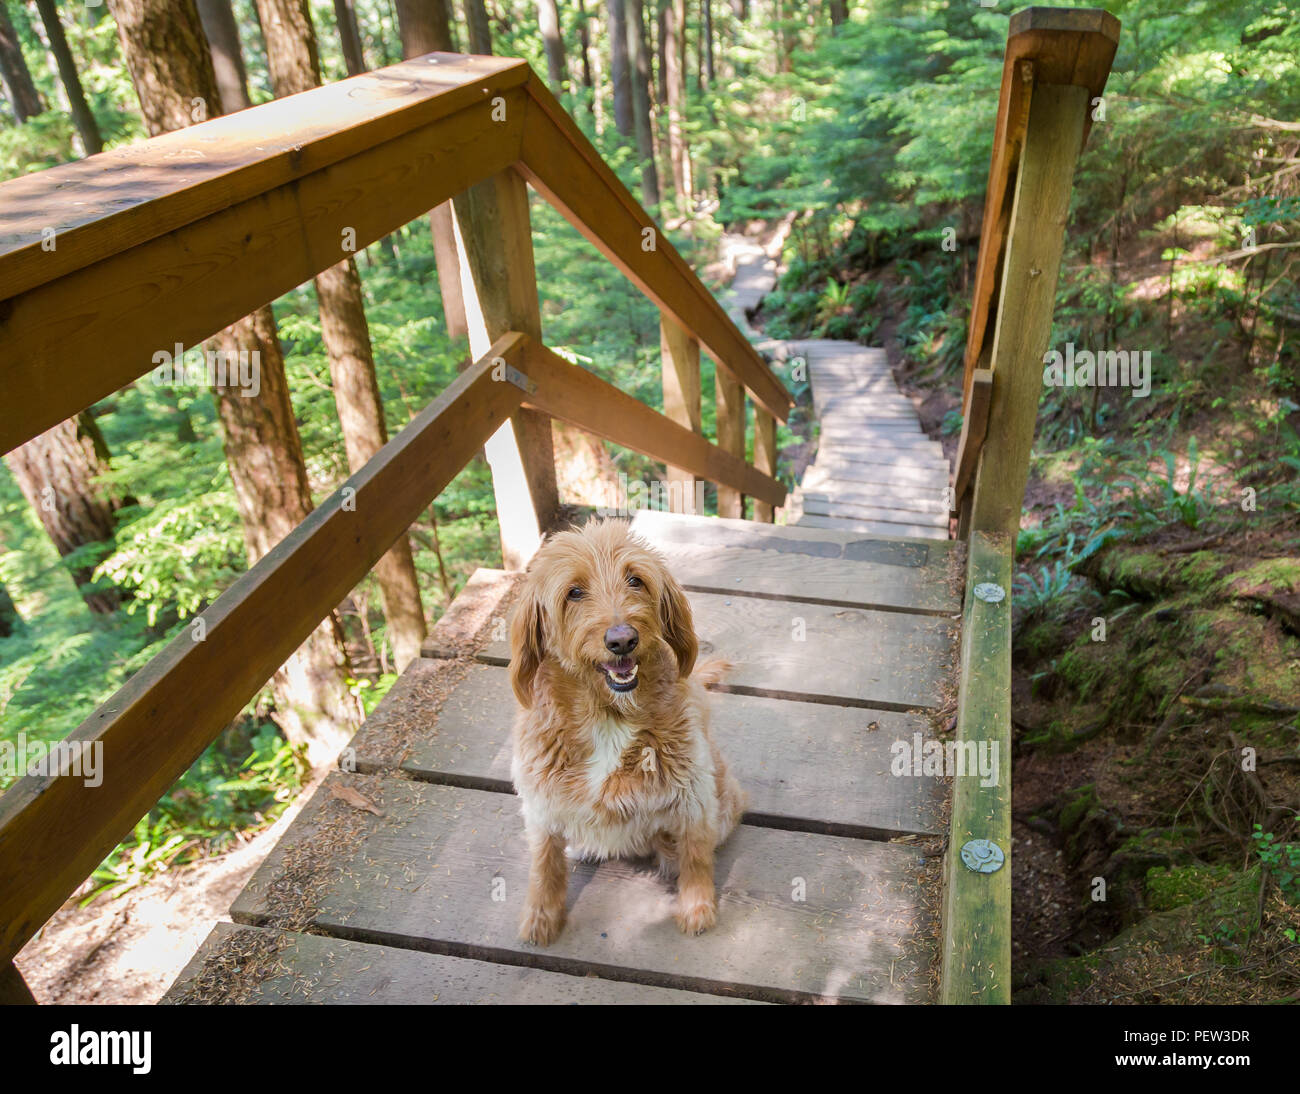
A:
{"x": 841, "y": 643}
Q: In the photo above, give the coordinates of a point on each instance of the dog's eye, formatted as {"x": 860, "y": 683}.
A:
{"x": 576, "y": 593}
{"x": 634, "y": 581}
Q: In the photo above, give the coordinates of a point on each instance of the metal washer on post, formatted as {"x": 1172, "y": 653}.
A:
{"x": 983, "y": 856}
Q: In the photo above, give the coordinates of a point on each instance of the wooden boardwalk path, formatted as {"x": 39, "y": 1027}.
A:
{"x": 875, "y": 470}
{"x": 841, "y": 643}
{"x": 403, "y": 877}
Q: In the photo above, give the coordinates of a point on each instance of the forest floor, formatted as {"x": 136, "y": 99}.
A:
{"x": 129, "y": 949}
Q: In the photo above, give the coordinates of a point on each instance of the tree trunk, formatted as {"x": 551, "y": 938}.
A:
{"x": 292, "y": 59}
{"x": 227, "y": 57}
{"x": 58, "y": 474}
{"x": 706, "y": 33}
{"x": 345, "y": 15}
{"x": 786, "y": 39}
{"x": 548, "y": 21}
{"x": 424, "y": 28}
{"x": 584, "y": 41}
{"x": 17, "y": 77}
{"x": 81, "y": 115}
{"x": 170, "y": 65}
{"x": 639, "y": 57}
{"x": 675, "y": 86}
{"x": 449, "y": 14}
{"x": 480, "y": 33}
{"x": 10, "y": 621}
{"x": 839, "y": 10}
{"x": 620, "y": 76}
{"x": 361, "y": 412}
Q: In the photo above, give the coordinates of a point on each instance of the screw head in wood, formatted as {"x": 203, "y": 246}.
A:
{"x": 983, "y": 856}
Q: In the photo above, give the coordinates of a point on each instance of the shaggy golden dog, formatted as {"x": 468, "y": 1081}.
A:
{"x": 612, "y": 754}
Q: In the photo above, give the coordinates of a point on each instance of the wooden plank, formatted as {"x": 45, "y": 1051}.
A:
{"x": 891, "y": 500}
{"x": 798, "y": 650}
{"x": 862, "y": 427}
{"x": 425, "y": 874}
{"x": 835, "y": 473}
{"x": 663, "y": 529}
{"x": 806, "y": 766}
{"x": 729, "y": 416}
{"x": 977, "y": 906}
{"x": 876, "y": 574}
{"x": 14, "y": 991}
{"x": 1033, "y": 263}
{"x": 55, "y": 830}
{"x": 841, "y": 454}
{"x": 153, "y": 187}
{"x": 834, "y": 504}
{"x": 573, "y": 394}
{"x": 296, "y": 968}
{"x": 765, "y": 456}
{"x": 680, "y": 369}
{"x": 494, "y": 244}
{"x": 98, "y": 327}
{"x": 974, "y": 427}
{"x": 920, "y": 499}
{"x": 561, "y": 163}
{"x": 870, "y": 527}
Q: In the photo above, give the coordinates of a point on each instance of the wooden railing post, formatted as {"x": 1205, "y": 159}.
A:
{"x": 729, "y": 394}
{"x": 764, "y": 457}
{"x": 681, "y": 382}
{"x": 1035, "y": 239}
{"x": 495, "y": 244}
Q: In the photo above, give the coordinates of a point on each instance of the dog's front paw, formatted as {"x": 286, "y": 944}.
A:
{"x": 697, "y": 917}
{"x": 541, "y": 926}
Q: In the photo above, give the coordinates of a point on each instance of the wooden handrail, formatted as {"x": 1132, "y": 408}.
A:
{"x": 562, "y": 164}
{"x": 173, "y": 239}
{"x": 574, "y": 395}
{"x": 1056, "y": 64}
{"x": 1045, "y": 47}
{"x": 54, "y": 830}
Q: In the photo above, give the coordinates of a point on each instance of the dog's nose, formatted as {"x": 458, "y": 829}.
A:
{"x": 621, "y": 639}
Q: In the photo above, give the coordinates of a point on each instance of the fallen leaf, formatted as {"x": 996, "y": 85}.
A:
{"x": 347, "y": 794}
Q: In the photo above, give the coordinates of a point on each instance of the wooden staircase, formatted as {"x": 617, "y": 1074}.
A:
{"x": 841, "y": 643}
{"x": 875, "y": 470}
{"x": 401, "y": 880}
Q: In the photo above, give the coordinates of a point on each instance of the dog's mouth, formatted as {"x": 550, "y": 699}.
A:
{"x": 620, "y": 674}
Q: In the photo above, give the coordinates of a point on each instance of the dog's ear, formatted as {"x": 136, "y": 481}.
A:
{"x": 678, "y": 626}
{"x": 527, "y": 645}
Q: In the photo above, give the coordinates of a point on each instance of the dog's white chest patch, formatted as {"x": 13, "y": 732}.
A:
{"x": 609, "y": 740}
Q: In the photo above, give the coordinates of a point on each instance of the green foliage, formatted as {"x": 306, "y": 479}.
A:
{"x": 242, "y": 781}
{"x": 1282, "y": 860}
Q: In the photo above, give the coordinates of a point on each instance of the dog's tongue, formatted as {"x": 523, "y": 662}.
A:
{"x": 620, "y": 665}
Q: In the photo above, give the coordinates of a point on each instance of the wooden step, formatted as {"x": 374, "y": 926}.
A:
{"x": 836, "y": 474}
{"x": 806, "y": 766}
{"x": 833, "y": 453}
{"x": 820, "y": 505}
{"x": 842, "y": 524}
{"x": 276, "y": 966}
{"x": 885, "y": 497}
{"x": 815, "y": 652}
{"x": 707, "y": 555}
{"x": 802, "y": 916}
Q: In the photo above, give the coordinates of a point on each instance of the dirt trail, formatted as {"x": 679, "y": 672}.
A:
{"x": 130, "y": 949}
